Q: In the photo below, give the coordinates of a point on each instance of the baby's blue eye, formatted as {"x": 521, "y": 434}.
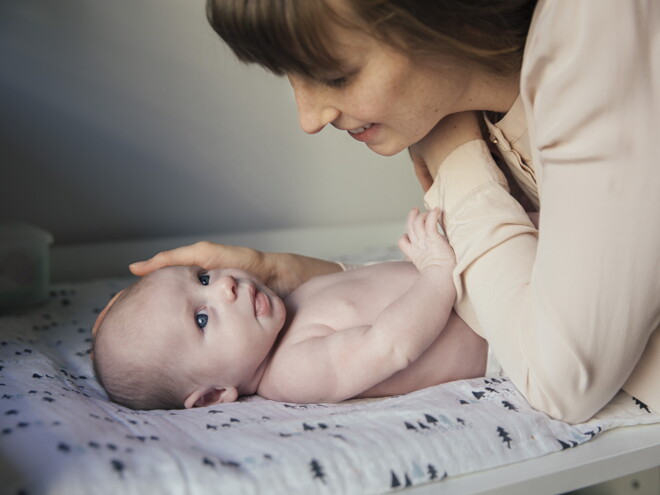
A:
{"x": 204, "y": 279}
{"x": 201, "y": 319}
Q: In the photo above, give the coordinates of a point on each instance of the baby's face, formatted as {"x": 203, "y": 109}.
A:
{"x": 212, "y": 324}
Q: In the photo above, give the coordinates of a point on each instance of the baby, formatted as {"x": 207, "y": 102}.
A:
{"x": 187, "y": 337}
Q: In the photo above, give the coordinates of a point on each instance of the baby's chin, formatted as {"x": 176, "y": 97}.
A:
{"x": 279, "y": 311}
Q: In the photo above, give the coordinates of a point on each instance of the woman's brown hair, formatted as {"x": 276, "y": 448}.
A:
{"x": 293, "y": 36}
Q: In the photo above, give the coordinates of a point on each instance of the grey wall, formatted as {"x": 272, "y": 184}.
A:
{"x": 126, "y": 119}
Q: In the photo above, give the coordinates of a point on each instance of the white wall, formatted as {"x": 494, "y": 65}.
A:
{"x": 125, "y": 119}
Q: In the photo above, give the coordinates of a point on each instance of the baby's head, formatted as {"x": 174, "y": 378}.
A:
{"x": 186, "y": 337}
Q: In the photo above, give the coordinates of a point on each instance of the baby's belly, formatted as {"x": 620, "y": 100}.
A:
{"x": 456, "y": 354}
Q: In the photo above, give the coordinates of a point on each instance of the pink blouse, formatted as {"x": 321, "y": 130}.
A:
{"x": 572, "y": 311}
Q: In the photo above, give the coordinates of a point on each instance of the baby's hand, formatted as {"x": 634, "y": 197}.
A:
{"x": 423, "y": 244}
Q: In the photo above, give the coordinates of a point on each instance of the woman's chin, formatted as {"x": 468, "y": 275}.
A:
{"x": 386, "y": 149}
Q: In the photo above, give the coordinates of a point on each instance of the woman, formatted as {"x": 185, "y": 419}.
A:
{"x": 568, "y": 92}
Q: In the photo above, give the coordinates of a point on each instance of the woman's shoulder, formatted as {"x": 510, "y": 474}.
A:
{"x": 570, "y": 36}
{"x": 576, "y": 82}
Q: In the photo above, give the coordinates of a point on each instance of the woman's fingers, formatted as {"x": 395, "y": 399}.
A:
{"x": 142, "y": 268}
{"x": 205, "y": 254}
{"x": 186, "y": 255}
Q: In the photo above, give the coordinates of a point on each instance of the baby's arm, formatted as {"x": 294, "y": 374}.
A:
{"x": 338, "y": 365}
{"x": 425, "y": 307}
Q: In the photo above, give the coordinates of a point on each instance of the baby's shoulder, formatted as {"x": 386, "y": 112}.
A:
{"x": 387, "y": 269}
{"x": 358, "y": 279}
{"x": 344, "y": 300}
{"x": 301, "y": 332}
{"x": 296, "y": 360}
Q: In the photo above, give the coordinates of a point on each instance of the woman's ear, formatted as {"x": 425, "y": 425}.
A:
{"x": 205, "y": 396}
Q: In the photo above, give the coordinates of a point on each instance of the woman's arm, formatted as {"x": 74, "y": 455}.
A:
{"x": 282, "y": 272}
{"x": 568, "y": 312}
{"x": 450, "y": 133}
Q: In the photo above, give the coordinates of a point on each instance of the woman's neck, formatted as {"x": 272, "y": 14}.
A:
{"x": 492, "y": 93}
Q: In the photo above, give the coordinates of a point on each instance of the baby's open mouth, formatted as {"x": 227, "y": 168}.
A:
{"x": 261, "y": 303}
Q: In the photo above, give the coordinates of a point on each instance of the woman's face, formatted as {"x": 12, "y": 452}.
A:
{"x": 381, "y": 97}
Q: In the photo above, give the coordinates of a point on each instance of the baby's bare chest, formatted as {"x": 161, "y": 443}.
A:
{"x": 349, "y": 299}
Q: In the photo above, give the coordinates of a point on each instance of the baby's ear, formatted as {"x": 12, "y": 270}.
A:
{"x": 205, "y": 396}
{"x": 101, "y": 316}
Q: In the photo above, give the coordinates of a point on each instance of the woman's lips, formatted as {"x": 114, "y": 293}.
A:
{"x": 364, "y": 133}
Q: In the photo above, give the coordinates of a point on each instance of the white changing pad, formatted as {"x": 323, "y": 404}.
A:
{"x": 59, "y": 433}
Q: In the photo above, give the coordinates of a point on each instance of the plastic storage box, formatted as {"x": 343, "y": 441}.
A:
{"x": 24, "y": 265}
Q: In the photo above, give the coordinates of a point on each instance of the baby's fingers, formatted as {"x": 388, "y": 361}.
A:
{"x": 410, "y": 222}
{"x": 405, "y": 246}
{"x": 419, "y": 225}
{"x": 432, "y": 221}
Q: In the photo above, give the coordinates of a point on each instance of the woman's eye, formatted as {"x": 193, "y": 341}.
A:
{"x": 204, "y": 279}
{"x": 336, "y": 82}
{"x": 201, "y": 319}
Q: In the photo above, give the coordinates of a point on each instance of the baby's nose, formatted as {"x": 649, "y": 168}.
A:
{"x": 228, "y": 287}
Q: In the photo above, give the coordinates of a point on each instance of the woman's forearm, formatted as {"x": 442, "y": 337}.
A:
{"x": 289, "y": 270}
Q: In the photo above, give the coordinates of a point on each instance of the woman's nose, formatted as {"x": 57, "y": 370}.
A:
{"x": 315, "y": 110}
{"x": 228, "y": 287}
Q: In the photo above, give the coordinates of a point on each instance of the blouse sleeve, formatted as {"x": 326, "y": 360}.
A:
{"x": 568, "y": 312}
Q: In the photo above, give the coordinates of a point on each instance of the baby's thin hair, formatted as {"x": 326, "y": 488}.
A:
{"x": 128, "y": 380}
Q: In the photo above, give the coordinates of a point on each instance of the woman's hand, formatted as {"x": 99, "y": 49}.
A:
{"x": 282, "y": 272}
{"x": 450, "y": 133}
{"x": 207, "y": 255}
